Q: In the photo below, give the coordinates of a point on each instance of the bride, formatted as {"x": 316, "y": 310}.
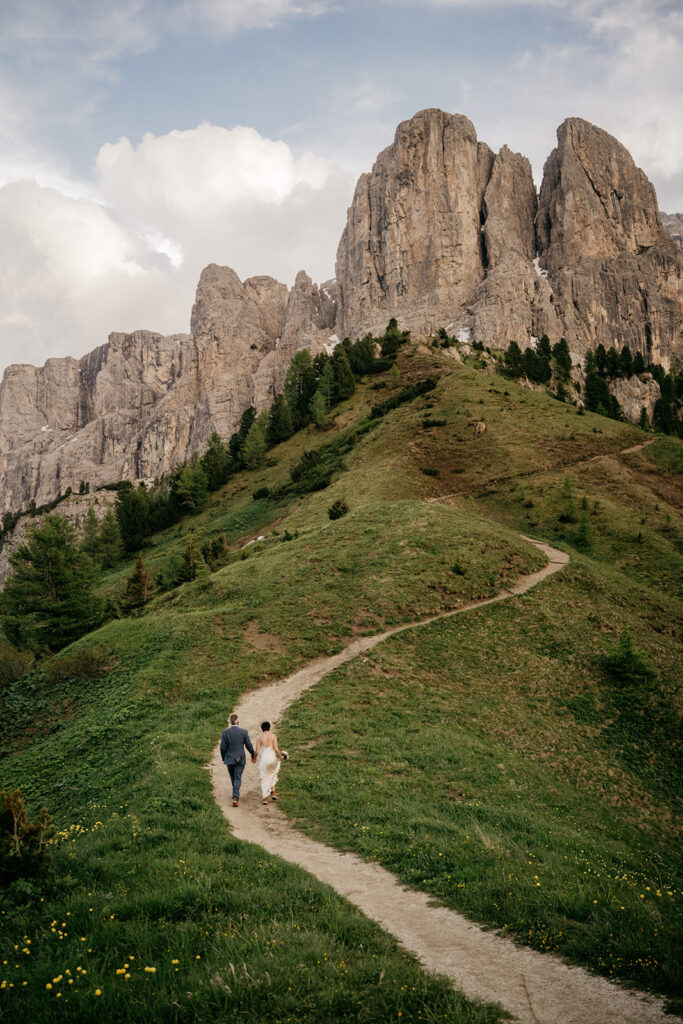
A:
{"x": 268, "y": 755}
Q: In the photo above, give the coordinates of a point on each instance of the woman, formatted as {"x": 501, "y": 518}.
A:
{"x": 268, "y": 755}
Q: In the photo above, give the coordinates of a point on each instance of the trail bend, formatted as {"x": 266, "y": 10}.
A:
{"x": 535, "y": 988}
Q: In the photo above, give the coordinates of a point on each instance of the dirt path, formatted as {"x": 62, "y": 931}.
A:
{"x": 534, "y": 988}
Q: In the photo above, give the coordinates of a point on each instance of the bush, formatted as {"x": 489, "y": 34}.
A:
{"x": 406, "y": 394}
{"x": 428, "y": 422}
{"x": 86, "y": 663}
{"x": 261, "y": 492}
{"x": 624, "y": 665}
{"x": 23, "y": 846}
{"x": 13, "y": 663}
{"x": 430, "y": 471}
{"x": 338, "y": 509}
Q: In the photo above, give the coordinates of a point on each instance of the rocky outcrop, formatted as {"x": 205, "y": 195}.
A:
{"x": 142, "y": 403}
{"x": 634, "y": 394}
{"x": 673, "y": 225}
{"x": 443, "y": 232}
{"x": 616, "y": 274}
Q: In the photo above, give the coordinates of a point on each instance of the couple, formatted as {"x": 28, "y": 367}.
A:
{"x": 233, "y": 742}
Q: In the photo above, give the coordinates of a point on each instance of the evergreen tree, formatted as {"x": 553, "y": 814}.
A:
{"x": 319, "y": 408}
{"x": 644, "y": 422}
{"x": 543, "y": 347}
{"x": 254, "y": 447}
{"x": 395, "y": 374}
{"x": 48, "y": 599}
{"x": 562, "y": 358}
{"x": 215, "y": 463}
{"x": 236, "y": 442}
{"x": 589, "y": 363}
{"x": 638, "y": 363}
{"x": 319, "y": 363}
{"x": 132, "y": 507}
{"x": 300, "y": 386}
{"x": 664, "y": 418}
{"x": 362, "y": 355}
{"x": 345, "y": 382}
{"x": 601, "y": 360}
{"x": 279, "y": 427}
{"x": 90, "y": 535}
{"x": 626, "y": 363}
{"x": 139, "y": 586}
{"x": 188, "y": 567}
{"x": 109, "y": 546}
{"x": 327, "y": 385}
{"x": 613, "y": 364}
{"x": 189, "y": 488}
{"x": 514, "y": 360}
{"x": 536, "y": 367}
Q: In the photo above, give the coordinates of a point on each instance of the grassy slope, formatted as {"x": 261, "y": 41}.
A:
{"x": 126, "y": 750}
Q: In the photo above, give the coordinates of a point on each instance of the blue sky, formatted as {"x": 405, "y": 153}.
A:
{"x": 123, "y": 170}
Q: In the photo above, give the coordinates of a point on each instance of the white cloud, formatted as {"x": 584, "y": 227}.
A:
{"x": 74, "y": 269}
{"x": 231, "y": 16}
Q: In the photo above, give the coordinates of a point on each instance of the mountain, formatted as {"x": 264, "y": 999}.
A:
{"x": 443, "y": 232}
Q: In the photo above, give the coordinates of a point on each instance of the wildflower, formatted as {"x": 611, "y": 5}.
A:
{"x": 98, "y": 991}
{"x": 150, "y": 970}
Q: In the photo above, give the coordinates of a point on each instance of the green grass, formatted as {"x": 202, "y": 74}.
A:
{"x": 522, "y": 752}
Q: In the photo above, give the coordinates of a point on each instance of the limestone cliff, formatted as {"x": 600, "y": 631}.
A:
{"x": 443, "y": 232}
{"x": 142, "y": 403}
{"x": 616, "y": 274}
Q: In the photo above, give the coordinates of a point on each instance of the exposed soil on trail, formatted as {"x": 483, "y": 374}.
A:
{"x": 533, "y": 987}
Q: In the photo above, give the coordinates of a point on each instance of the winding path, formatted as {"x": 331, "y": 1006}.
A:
{"x": 535, "y": 988}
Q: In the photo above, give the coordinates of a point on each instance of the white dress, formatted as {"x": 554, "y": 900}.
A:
{"x": 269, "y": 769}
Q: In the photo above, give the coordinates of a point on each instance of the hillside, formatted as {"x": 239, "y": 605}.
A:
{"x": 538, "y": 794}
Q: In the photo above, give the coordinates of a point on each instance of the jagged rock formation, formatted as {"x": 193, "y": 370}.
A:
{"x": 442, "y": 233}
{"x": 445, "y": 233}
{"x": 137, "y": 406}
{"x": 673, "y": 225}
{"x": 616, "y": 274}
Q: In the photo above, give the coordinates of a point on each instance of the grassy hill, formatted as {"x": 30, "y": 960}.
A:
{"x": 490, "y": 760}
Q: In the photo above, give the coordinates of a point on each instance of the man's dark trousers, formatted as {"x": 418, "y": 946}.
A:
{"x": 233, "y": 742}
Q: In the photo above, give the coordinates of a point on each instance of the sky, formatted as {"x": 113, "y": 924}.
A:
{"x": 141, "y": 140}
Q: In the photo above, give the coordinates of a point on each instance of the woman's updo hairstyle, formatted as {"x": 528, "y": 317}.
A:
{"x": 265, "y": 726}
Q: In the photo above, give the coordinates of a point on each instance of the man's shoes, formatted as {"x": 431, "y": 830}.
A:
{"x": 235, "y": 802}
{"x": 273, "y": 796}
{"x": 265, "y": 801}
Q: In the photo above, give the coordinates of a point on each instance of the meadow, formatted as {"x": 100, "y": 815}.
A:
{"x": 485, "y": 759}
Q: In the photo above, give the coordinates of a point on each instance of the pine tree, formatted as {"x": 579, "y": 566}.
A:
{"x": 300, "y": 386}
{"x": 139, "y": 586}
{"x": 254, "y": 448}
{"x": 188, "y": 568}
{"x": 109, "y": 546}
{"x": 543, "y": 347}
{"x": 626, "y": 362}
{"x": 345, "y": 382}
{"x": 644, "y": 421}
{"x": 319, "y": 408}
{"x": 132, "y": 508}
{"x": 613, "y": 364}
{"x": 514, "y": 360}
{"x": 189, "y": 488}
{"x": 563, "y": 359}
{"x": 48, "y": 599}
{"x": 90, "y": 535}
{"x": 236, "y": 442}
{"x": 280, "y": 425}
{"x": 638, "y": 363}
{"x": 215, "y": 463}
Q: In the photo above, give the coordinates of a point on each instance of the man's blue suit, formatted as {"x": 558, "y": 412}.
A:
{"x": 233, "y": 742}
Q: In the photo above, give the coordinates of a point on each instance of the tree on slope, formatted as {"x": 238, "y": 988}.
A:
{"x": 48, "y": 600}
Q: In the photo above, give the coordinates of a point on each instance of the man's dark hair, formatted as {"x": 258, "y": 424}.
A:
{"x": 234, "y": 718}
{"x": 265, "y": 726}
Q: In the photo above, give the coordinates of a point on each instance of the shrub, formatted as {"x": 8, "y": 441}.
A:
{"x": 625, "y": 665}
{"x": 406, "y": 394}
{"x": 428, "y": 422}
{"x": 430, "y": 471}
{"x": 338, "y": 509}
{"x": 261, "y": 492}
{"x": 23, "y": 845}
{"x": 13, "y": 663}
{"x": 85, "y": 663}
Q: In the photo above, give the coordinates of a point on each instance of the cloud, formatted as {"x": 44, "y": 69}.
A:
{"x": 231, "y": 16}
{"x": 73, "y": 268}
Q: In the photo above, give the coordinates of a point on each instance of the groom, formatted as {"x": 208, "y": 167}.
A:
{"x": 233, "y": 742}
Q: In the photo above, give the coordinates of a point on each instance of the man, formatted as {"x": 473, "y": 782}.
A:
{"x": 233, "y": 742}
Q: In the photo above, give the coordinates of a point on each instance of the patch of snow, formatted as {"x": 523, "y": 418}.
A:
{"x": 539, "y": 270}
{"x": 464, "y": 334}
{"x": 277, "y": 342}
{"x": 448, "y": 328}
{"x": 45, "y": 429}
{"x": 532, "y": 339}
{"x": 334, "y": 341}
